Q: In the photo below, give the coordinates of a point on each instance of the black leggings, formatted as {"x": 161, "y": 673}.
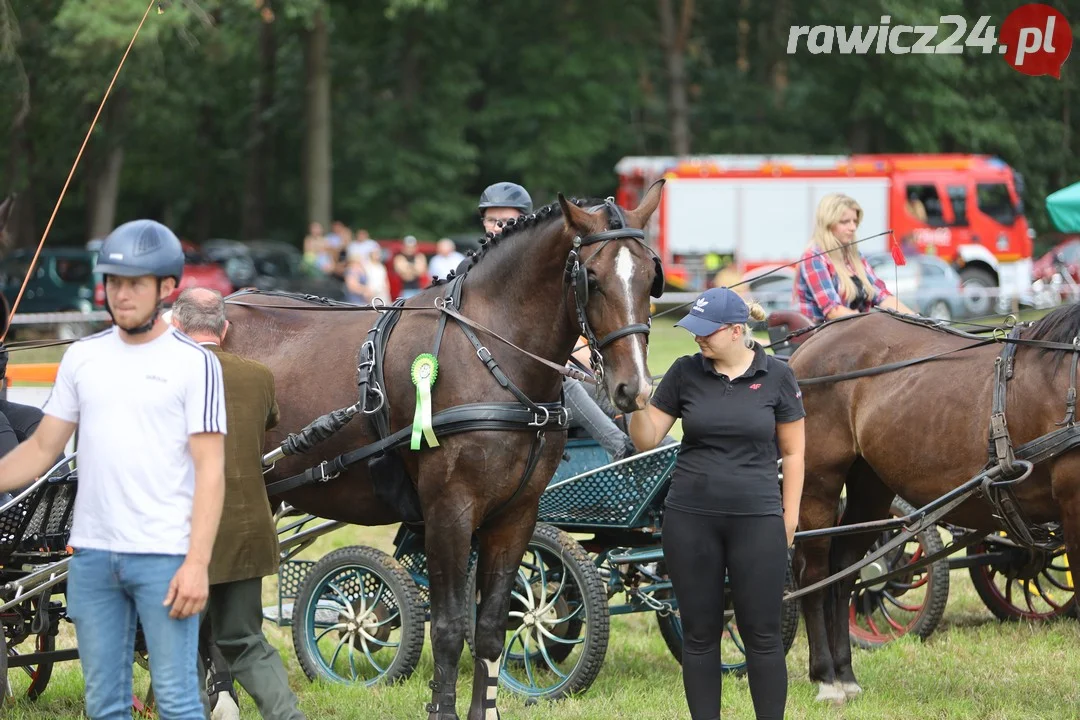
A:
{"x": 753, "y": 550}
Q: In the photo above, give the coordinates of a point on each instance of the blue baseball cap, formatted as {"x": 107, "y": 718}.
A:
{"x": 714, "y": 309}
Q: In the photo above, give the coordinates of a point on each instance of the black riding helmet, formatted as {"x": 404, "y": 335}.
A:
{"x": 506, "y": 194}
{"x": 141, "y": 247}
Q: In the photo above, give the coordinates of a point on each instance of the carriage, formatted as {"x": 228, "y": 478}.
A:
{"x": 557, "y": 631}
{"x": 595, "y": 553}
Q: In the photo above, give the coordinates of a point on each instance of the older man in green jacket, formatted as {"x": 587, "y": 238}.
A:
{"x": 246, "y": 548}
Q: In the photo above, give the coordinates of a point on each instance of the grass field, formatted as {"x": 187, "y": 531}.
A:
{"x": 973, "y": 667}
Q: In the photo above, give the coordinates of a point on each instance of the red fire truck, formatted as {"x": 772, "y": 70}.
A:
{"x": 758, "y": 210}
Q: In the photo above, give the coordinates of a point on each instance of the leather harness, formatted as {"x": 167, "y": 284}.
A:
{"x": 386, "y": 467}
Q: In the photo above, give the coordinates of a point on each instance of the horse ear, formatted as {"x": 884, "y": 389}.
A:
{"x": 578, "y": 220}
{"x": 5, "y": 210}
{"x": 640, "y": 215}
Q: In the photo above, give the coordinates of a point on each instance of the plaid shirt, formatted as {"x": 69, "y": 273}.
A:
{"x": 816, "y": 288}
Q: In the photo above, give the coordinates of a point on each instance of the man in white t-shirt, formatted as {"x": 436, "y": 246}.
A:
{"x": 445, "y": 259}
{"x": 150, "y": 410}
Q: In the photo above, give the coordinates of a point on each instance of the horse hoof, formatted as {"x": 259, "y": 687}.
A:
{"x": 831, "y": 693}
{"x": 851, "y": 689}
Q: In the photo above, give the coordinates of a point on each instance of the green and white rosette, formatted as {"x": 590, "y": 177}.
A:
{"x": 425, "y": 369}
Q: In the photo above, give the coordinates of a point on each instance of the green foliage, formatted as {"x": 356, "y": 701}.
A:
{"x": 432, "y": 100}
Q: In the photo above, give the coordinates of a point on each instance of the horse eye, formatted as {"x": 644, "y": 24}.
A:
{"x": 593, "y": 284}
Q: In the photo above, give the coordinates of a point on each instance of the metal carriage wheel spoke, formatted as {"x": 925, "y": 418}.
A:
{"x": 359, "y": 635}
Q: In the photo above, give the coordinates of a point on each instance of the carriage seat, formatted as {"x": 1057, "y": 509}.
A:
{"x": 780, "y": 324}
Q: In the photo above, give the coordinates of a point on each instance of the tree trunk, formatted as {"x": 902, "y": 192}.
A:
{"x": 673, "y": 36}
{"x": 781, "y": 22}
{"x": 104, "y": 189}
{"x": 253, "y": 220}
{"x": 205, "y": 209}
{"x": 318, "y": 168}
{"x": 18, "y": 177}
{"x": 742, "y": 37}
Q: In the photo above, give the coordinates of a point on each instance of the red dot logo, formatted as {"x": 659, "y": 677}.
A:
{"x": 1036, "y": 40}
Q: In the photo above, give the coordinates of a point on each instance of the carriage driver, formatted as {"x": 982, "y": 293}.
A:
{"x": 150, "y": 411}
{"x": 505, "y": 201}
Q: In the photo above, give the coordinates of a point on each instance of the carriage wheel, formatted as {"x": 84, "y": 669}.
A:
{"x": 4, "y": 687}
{"x": 557, "y": 629}
{"x": 39, "y": 675}
{"x": 910, "y": 604}
{"x": 358, "y": 618}
{"x": 1026, "y": 585}
{"x": 732, "y": 649}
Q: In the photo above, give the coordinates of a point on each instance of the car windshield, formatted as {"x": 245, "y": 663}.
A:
{"x": 276, "y": 264}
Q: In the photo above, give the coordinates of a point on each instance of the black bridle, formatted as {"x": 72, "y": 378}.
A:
{"x": 578, "y": 278}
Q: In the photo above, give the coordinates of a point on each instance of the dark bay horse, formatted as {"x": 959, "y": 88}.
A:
{"x": 917, "y": 432}
{"x": 471, "y": 484}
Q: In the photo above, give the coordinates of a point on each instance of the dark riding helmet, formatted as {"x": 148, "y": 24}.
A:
{"x": 506, "y": 194}
{"x": 141, "y": 247}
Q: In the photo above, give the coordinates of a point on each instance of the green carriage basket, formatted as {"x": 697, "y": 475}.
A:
{"x": 622, "y": 495}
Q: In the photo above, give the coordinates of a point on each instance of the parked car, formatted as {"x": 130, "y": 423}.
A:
{"x": 1056, "y": 275}
{"x": 63, "y": 281}
{"x": 235, "y": 259}
{"x": 926, "y": 284}
{"x": 281, "y": 266}
{"x": 199, "y": 271}
{"x": 1064, "y": 255}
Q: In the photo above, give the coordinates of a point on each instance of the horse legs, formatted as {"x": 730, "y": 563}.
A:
{"x": 1065, "y": 481}
{"x": 448, "y": 545}
{"x": 867, "y": 499}
{"x": 502, "y": 546}
{"x": 821, "y": 493}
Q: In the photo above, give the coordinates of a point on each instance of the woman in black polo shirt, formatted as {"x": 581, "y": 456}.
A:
{"x": 725, "y": 510}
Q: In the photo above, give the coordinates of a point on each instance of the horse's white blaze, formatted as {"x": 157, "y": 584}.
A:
{"x": 492, "y": 667}
{"x": 624, "y": 270}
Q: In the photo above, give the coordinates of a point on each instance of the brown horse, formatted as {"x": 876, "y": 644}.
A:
{"x": 471, "y": 484}
{"x": 917, "y": 432}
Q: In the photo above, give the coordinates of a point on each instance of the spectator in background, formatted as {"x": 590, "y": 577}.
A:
{"x": 411, "y": 267}
{"x": 357, "y": 290}
{"x": 359, "y": 239}
{"x": 317, "y": 249}
{"x": 446, "y": 258}
{"x": 378, "y": 282}
{"x": 339, "y": 240}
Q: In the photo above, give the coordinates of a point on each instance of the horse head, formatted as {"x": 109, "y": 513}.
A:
{"x": 611, "y": 274}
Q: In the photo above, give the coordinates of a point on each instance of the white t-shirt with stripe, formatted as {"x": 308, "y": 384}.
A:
{"x": 136, "y": 406}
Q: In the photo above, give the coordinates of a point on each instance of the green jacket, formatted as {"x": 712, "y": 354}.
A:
{"x": 247, "y": 544}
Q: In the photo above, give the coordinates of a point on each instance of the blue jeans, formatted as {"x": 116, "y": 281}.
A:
{"x": 106, "y": 592}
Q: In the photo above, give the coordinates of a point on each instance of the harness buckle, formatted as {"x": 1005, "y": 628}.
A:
{"x": 536, "y": 418}
{"x": 484, "y": 354}
{"x": 322, "y": 476}
{"x": 374, "y": 388}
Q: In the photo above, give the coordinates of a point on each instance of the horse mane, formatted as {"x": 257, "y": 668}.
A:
{"x": 1061, "y": 325}
{"x": 515, "y": 228}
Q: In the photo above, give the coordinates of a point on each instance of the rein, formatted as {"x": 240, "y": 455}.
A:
{"x": 998, "y": 337}
{"x": 441, "y": 304}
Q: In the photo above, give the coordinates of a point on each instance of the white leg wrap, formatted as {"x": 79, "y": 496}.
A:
{"x": 851, "y": 688}
{"x": 831, "y": 693}
{"x": 492, "y": 688}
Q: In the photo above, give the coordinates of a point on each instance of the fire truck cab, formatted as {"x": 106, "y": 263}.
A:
{"x": 752, "y": 211}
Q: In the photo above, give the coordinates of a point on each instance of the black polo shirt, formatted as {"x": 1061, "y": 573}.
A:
{"x": 727, "y": 462}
